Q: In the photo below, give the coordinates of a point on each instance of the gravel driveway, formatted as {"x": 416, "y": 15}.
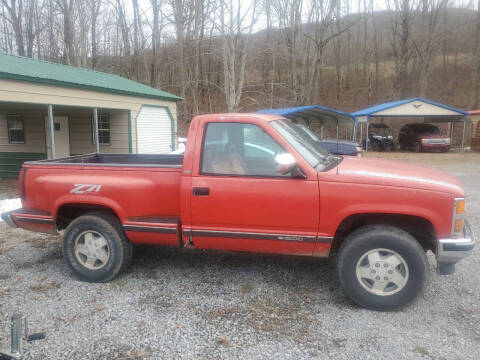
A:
{"x": 176, "y": 303}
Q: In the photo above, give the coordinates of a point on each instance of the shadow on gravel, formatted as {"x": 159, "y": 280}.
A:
{"x": 306, "y": 274}
{"x": 268, "y": 293}
{"x": 147, "y": 258}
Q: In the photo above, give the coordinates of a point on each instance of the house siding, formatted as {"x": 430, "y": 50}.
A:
{"x": 81, "y": 141}
{"x": 34, "y": 133}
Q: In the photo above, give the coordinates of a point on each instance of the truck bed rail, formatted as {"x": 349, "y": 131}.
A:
{"x": 97, "y": 159}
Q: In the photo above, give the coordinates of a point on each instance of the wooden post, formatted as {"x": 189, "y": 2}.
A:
{"x": 463, "y": 133}
{"x": 95, "y": 130}
{"x": 51, "y": 130}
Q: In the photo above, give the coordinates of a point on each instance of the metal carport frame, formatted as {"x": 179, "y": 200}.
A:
{"x": 415, "y": 107}
{"x": 310, "y": 113}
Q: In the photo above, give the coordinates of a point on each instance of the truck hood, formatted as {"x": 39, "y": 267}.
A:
{"x": 395, "y": 173}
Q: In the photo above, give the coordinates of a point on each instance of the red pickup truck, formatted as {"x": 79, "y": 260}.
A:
{"x": 255, "y": 183}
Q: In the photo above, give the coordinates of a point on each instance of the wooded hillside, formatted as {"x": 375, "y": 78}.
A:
{"x": 247, "y": 55}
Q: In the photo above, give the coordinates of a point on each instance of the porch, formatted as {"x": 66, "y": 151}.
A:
{"x": 38, "y": 131}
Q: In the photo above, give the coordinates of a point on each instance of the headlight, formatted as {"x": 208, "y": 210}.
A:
{"x": 458, "y": 216}
{"x": 359, "y": 151}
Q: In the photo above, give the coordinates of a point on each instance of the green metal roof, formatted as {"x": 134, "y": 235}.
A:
{"x": 25, "y": 69}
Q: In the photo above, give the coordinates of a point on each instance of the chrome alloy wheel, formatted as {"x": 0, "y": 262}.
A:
{"x": 92, "y": 250}
{"x": 382, "y": 272}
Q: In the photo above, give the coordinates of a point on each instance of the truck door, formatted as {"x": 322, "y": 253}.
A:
{"x": 240, "y": 202}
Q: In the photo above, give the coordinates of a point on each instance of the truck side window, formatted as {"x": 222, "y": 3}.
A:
{"x": 239, "y": 149}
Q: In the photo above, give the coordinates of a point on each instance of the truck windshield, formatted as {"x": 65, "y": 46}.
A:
{"x": 314, "y": 154}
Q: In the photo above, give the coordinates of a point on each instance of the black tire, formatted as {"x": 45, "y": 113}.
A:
{"x": 369, "y": 238}
{"x": 120, "y": 248}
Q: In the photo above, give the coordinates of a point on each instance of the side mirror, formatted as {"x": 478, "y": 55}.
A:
{"x": 285, "y": 163}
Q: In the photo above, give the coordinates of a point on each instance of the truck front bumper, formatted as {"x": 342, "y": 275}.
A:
{"x": 451, "y": 251}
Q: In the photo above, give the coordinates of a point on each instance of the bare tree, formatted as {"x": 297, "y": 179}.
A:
{"x": 322, "y": 15}
{"x": 124, "y": 27}
{"x": 475, "y": 102}
{"x": 66, "y": 8}
{"x": 15, "y": 18}
{"x": 401, "y": 45}
{"x": 236, "y": 23}
{"x": 180, "y": 12}
{"x": 155, "y": 40}
{"x": 429, "y": 39}
{"x": 289, "y": 14}
{"x": 94, "y": 13}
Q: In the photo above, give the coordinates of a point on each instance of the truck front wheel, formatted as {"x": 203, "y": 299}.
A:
{"x": 381, "y": 267}
{"x": 96, "y": 248}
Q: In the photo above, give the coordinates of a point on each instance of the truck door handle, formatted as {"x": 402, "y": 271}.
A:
{"x": 199, "y": 191}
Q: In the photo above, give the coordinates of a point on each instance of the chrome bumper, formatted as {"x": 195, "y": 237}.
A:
{"x": 451, "y": 251}
{"x": 7, "y": 217}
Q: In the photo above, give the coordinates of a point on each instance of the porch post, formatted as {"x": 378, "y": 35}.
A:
{"x": 354, "y": 133}
{"x": 463, "y": 133}
{"x": 95, "y": 130}
{"x": 51, "y": 130}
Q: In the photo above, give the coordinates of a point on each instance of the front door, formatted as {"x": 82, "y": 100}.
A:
{"x": 239, "y": 201}
{"x": 62, "y": 137}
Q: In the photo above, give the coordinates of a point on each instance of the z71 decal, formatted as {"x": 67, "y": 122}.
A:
{"x": 85, "y": 188}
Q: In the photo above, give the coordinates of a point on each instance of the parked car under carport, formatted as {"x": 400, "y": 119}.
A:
{"x": 423, "y": 138}
{"x": 334, "y": 146}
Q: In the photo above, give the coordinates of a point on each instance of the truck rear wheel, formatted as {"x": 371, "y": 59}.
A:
{"x": 382, "y": 267}
{"x": 96, "y": 248}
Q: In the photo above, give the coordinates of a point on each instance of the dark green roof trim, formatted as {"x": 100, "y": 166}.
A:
{"x": 36, "y": 71}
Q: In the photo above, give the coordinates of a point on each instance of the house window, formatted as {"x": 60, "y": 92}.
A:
{"x": 103, "y": 129}
{"x": 16, "y": 131}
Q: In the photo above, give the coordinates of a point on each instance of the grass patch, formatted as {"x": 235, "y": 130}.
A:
{"x": 278, "y": 317}
{"x": 133, "y": 355}
{"x": 45, "y": 287}
{"x": 246, "y": 288}
{"x": 42, "y": 242}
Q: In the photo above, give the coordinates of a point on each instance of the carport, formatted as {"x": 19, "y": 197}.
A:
{"x": 429, "y": 110}
{"x": 316, "y": 117}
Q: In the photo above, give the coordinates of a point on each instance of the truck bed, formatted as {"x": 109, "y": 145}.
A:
{"x": 150, "y": 160}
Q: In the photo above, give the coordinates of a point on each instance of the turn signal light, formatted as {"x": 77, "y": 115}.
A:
{"x": 460, "y": 207}
{"x": 458, "y": 228}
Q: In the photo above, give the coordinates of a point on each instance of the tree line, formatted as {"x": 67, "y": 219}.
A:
{"x": 227, "y": 55}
